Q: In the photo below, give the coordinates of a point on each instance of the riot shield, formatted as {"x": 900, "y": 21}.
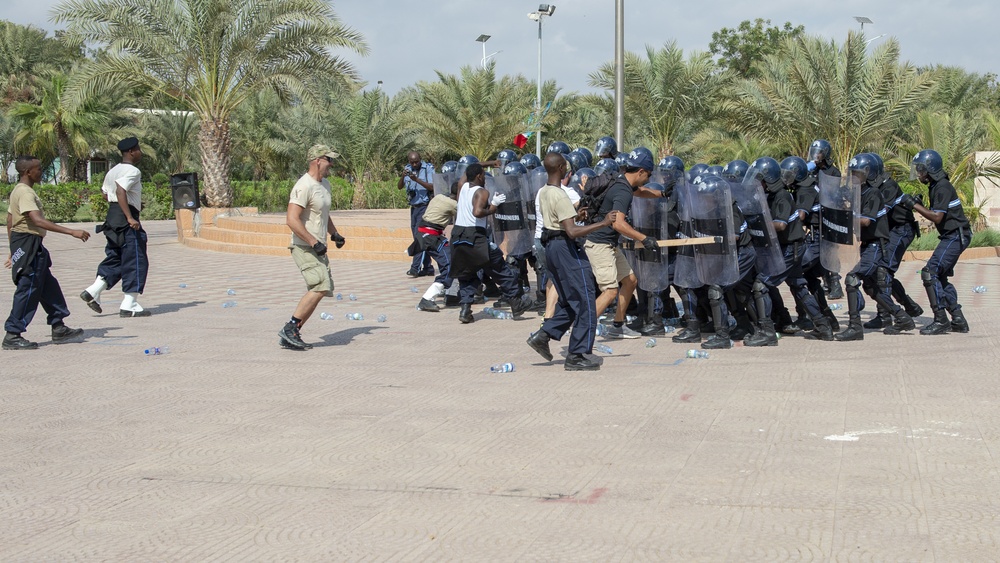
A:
{"x": 511, "y": 230}
{"x": 840, "y": 222}
{"x": 750, "y": 198}
{"x": 685, "y": 266}
{"x": 649, "y": 217}
{"x": 443, "y": 182}
{"x": 710, "y": 212}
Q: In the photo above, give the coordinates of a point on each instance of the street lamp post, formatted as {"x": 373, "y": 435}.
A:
{"x": 543, "y": 10}
{"x": 862, "y": 20}
{"x": 483, "y": 39}
{"x": 620, "y": 72}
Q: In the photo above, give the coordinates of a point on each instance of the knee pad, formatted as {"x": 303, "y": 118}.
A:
{"x": 882, "y": 278}
{"x": 852, "y": 280}
{"x": 928, "y": 277}
{"x": 759, "y": 288}
{"x": 714, "y": 293}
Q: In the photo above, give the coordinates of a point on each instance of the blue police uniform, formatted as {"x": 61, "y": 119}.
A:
{"x": 418, "y": 198}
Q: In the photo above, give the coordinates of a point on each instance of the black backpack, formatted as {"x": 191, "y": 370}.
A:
{"x": 597, "y": 188}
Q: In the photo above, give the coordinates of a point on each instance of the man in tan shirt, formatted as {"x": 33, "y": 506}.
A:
{"x": 30, "y": 262}
{"x": 431, "y": 239}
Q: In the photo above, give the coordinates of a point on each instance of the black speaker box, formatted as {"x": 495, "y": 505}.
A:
{"x": 184, "y": 188}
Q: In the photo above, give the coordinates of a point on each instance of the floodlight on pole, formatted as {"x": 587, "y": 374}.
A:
{"x": 543, "y": 10}
{"x": 862, "y": 20}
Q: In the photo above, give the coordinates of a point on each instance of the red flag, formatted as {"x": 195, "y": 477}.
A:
{"x": 520, "y": 141}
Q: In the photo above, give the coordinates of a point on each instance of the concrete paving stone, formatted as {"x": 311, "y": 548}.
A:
{"x": 393, "y": 441}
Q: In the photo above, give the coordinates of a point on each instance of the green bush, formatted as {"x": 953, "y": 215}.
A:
{"x": 60, "y": 202}
{"x": 98, "y": 205}
{"x": 271, "y": 196}
{"x": 929, "y": 240}
{"x": 157, "y": 202}
{"x": 160, "y": 179}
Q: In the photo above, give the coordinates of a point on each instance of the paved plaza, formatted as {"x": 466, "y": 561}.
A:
{"x": 393, "y": 441}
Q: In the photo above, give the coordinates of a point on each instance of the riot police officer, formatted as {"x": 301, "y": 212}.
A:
{"x": 820, "y": 159}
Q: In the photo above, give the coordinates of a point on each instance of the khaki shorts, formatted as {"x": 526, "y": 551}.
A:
{"x": 609, "y": 264}
{"x": 315, "y": 269}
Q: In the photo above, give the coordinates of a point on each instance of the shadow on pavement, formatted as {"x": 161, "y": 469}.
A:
{"x": 173, "y": 307}
{"x": 345, "y": 336}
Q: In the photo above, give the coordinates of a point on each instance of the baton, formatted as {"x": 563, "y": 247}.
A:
{"x": 689, "y": 241}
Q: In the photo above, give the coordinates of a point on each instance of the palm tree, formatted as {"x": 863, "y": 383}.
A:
{"x": 473, "y": 113}
{"x": 369, "y": 132}
{"x": 814, "y": 89}
{"x": 211, "y": 56}
{"x": 666, "y": 95}
{"x": 170, "y": 135}
{"x": 49, "y": 127}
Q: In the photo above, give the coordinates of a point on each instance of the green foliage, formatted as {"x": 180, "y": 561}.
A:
{"x": 157, "y": 202}
{"x": 160, "y": 179}
{"x": 60, "y": 202}
{"x": 929, "y": 239}
{"x": 98, "y": 205}
{"x": 272, "y": 196}
{"x": 739, "y": 48}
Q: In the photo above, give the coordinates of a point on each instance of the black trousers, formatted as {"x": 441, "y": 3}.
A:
{"x": 126, "y": 262}
{"x": 570, "y": 270}
{"x": 38, "y": 287}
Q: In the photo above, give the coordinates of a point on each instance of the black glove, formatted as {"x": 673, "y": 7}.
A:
{"x": 338, "y": 240}
{"x": 650, "y": 244}
{"x": 908, "y": 201}
{"x": 319, "y": 248}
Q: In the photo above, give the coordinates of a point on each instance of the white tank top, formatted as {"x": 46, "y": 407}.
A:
{"x": 464, "y": 216}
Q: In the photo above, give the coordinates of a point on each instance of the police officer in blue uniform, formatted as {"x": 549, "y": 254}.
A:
{"x": 954, "y": 236}
{"x": 418, "y": 179}
{"x": 871, "y": 269}
{"x": 820, "y": 159}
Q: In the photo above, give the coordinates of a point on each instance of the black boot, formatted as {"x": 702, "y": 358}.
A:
{"x": 958, "y": 322}
{"x": 940, "y": 324}
{"x": 902, "y": 322}
{"x": 428, "y": 305}
{"x": 821, "y": 330}
{"x": 882, "y": 320}
{"x": 836, "y": 290}
{"x": 690, "y": 334}
{"x": 720, "y": 340}
{"x": 62, "y": 333}
{"x": 579, "y": 362}
{"x": 465, "y": 314}
{"x": 854, "y": 331}
{"x": 834, "y": 323}
{"x": 653, "y": 326}
{"x": 539, "y": 342}
{"x": 14, "y": 341}
{"x": 763, "y": 336}
{"x": 911, "y": 307}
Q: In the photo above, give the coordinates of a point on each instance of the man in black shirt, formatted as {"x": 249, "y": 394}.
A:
{"x": 954, "y": 235}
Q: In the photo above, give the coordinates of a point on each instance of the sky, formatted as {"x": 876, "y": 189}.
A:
{"x": 410, "y": 40}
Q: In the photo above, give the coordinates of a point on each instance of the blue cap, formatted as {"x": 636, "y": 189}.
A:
{"x": 639, "y": 159}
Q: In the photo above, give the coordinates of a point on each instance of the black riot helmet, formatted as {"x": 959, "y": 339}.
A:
{"x": 606, "y": 165}
{"x": 449, "y": 166}
{"x": 577, "y": 160}
{"x": 767, "y": 171}
{"x": 928, "y": 163}
{"x": 606, "y": 147}
{"x": 586, "y": 154}
{"x": 863, "y": 167}
{"x": 820, "y": 152}
{"x": 793, "y": 170}
{"x": 879, "y": 170}
{"x": 672, "y": 169}
{"x": 735, "y": 170}
{"x": 559, "y": 147}
{"x": 715, "y": 170}
{"x": 467, "y": 160}
{"x": 696, "y": 171}
{"x": 514, "y": 168}
{"x": 506, "y": 156}
{"x": 530, "y": 161}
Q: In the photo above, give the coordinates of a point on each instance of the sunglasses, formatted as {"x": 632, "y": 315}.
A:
{"x": 328, "y": 159}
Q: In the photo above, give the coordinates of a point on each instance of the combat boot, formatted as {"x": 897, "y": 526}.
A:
{"x": 854, "y": 331}
{"x": 940, "y": 324}
{"x": 653, "y": 326}
{"x": 902, "y": 322}
{"x": 465, "y": 314}
{"x": 836, "y": 290}
{"x": 834, "y": 323}
{"x": 821, "y": 330}
{"x": 882, "y": 320}
{"x": 911, "y": 307}
{"x": 690, "y": 334}
{"x": 539, "y": 342}
{"x": 958, "y": 322}
{"x": 763, "y": 336}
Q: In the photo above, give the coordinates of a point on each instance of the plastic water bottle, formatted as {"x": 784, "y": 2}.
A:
{"x": 382, "y": 318}
{"x": 836, "y": 306}
{"x": 502, "y": 368}
{"x": 325, "y": 316}
{"x": 651, "y": 343}
{"x": 352, "y": 297}
{"x": 672, "y": 321}
{"x": 228, "y": 304}
{"x": 183, "y": 286}
{"x": 355, "y": 317}
{"x": 700, "y": 354}
{"x": 497, "y": 313}
{"x": 602, "y": 329}
{"x": 603, "y": 348}
{"x": 414, "y": 290}
{"x": 156, "y": 351}
{"x": 979, "y": 289}
{"x": 231, "y": 292}
{"x": 339, "y": 297}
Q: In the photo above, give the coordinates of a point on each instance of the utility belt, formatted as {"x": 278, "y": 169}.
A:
{"x": 549, "y": 235}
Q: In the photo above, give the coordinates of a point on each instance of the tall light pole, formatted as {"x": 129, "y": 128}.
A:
{"x": 483, "y": 39}
{"x": 543, "y": 10}
{"x": 620, "y": 73}
{"x": 862, "y": 20}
